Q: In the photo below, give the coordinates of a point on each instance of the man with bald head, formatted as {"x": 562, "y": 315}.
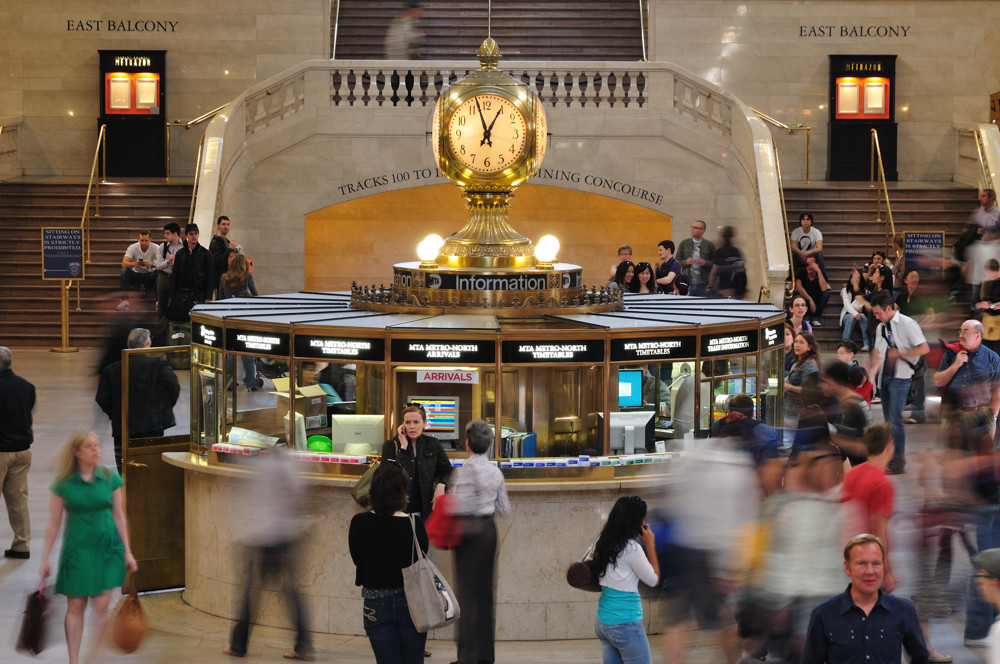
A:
{"x": 970, "y": 382}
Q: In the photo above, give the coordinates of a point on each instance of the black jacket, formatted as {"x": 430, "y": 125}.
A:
{"x": 435, "y": 467}
{"x": 193, "y": 271}
{"x": 153, "y": 391}
{"x": 17, "y": 399}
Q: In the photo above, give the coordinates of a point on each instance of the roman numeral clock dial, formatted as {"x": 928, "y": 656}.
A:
{"x": 487, "y": 134}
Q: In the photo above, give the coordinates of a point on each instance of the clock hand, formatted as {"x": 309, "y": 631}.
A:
{"x": 489, "y": 130}
{"x": 494, "y": 120}
{"x": 486, "y": 132}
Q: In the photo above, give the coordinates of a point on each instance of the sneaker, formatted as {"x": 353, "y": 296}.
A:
{"x": 896, "y": 468}
{"x": 914, "y": 420}
{"x": 864, "y": 349}
{"x": 816, "y": 323}
{"x": 876, "y": 400}
{"x": 122, "y": 306}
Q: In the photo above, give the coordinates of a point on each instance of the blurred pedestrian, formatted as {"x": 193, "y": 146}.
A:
{"x": 887, "y": 623}
{"x": 95, "y": 550}
{"x": 480, "y": 495}
{"x": 237, "y": 281}
{"x": 17, "y": 400}
{"x": 988, "y": 583}
{"x": 273, "y": 499}
{"x": 867, "y": 487}
{"x": 382, "y": 544}
{"x": 624, "y": 562}
{"x": 404, "y": 36}
{"x": 728, "y": 277}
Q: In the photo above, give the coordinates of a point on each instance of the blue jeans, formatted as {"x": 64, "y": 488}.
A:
{"x": 979, "y": 615}
{"x": 250, "y": 372}
{"x": 623, "y": 644}
{"x": 698, "y": 290}
{"x": 391, "y": 632}
{"x": 849, "y": 323}
{"x": 131, "y": 279}
{"x": 894, "y": 392}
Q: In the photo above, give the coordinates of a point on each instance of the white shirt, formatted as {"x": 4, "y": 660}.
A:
{"x": 993, "y": 647}
{"x": 806, "y": 241}
{"x": 906, "y": 335}
{"x": 151, "y": 255}
{"x": 629, "y": 569}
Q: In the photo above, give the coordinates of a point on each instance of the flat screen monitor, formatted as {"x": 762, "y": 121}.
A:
{"x": 627, "y": 431}
{"x": 357, "y": 434}
{"x": 442, "y": 416}
{"x": 629, "y": 388}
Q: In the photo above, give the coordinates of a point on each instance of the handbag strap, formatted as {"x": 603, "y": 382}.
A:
{"x": 129, "y": 584}
{"x": 416, "y": 553}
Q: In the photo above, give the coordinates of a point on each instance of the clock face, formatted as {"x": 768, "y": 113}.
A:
{"x": 487, "y": 133}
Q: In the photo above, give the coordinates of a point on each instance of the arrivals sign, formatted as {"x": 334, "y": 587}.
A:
{"x": 472, "y": 351}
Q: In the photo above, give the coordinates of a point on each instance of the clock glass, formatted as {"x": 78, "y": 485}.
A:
{"x": 487, "y": 133}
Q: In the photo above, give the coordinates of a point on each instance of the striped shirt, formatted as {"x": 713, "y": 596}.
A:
{"x": 478, "y": 488}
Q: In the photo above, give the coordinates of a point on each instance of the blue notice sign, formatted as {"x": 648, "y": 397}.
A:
{"x": 62, "y": 253}
{"x": 924, "y": 252}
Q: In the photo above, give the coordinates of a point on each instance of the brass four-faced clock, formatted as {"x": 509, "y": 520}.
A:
{"x": 489, "y": 128}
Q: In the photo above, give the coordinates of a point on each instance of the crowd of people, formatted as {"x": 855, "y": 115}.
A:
{"x": 696, "y": 267}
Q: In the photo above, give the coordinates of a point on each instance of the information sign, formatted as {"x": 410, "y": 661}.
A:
{"x": 531, "y": 351}
{"x": 474, "y": 351}
{"x": 330, "y": 348}
{"x": 654, "y": 348}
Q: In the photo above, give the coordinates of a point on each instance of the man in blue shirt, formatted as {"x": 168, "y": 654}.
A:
{"x": 864, "y": 625}
{"x": 970, "y": 380}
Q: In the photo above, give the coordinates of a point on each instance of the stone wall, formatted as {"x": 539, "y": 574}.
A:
{"x": 215, "y": 50}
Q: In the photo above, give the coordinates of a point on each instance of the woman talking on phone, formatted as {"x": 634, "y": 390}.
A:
{"x": 422, "y": 457}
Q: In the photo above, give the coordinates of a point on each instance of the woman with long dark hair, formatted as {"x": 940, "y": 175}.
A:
{"x": 381, "y": 544}
{"x": 623, "y": 562}
{"x": 853, "y": 313}
{"x": 623, "y": 277}
{"x": 644, "y": 280}
{"x": 805, "y": 367}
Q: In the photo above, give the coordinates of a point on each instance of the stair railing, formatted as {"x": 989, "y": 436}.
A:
{"x": 102, "y": 152}
{"x": 976, "y": 138}
{"x": 890, "y": 227}
{"x": 791, "y": 129}
{"x": 187, "y": 125}
{"x": 643, "y": 16}
{"x": 765, "y": 293}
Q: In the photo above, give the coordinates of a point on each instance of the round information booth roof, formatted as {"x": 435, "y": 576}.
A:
{"x": 644, "y": 328}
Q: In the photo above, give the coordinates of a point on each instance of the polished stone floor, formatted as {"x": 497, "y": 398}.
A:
{"x": 66, "y": 385}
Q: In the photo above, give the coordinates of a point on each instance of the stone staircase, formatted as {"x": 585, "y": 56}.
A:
{"x": 845, "y": 213}
{"x": 29, "y": 306}
{"x": 555, "y": 30}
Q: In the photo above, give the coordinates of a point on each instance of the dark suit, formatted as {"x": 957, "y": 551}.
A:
{"x": 153, "y": 391}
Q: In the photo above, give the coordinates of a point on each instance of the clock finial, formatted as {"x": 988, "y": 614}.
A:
{"x": 489, "y": 53}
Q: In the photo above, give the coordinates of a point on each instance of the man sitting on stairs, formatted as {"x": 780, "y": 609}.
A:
{"x": 812, "y": 285}
{"x": 138, "y": 267}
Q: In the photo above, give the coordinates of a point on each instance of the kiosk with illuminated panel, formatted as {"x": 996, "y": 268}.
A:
{"x": 133, "y": 108}
{"x": 862, "y": 98}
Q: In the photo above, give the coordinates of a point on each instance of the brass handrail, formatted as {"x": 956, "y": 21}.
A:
{"x": 187, "y": 125}
{"x": 790, "y": 129}
{"x": 790, "y": 286}
{"x": 877, "y": 153}
{"x": 100, "y": 150}
{"x": 197, "y": 178}
{"x": 987, "y": 181}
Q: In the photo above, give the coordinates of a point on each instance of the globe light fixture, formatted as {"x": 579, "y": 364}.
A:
{"x": 428, "y": 249}
{"x": 546, "y": 250}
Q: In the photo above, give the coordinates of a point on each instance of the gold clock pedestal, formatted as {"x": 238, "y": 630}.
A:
{"x": 487, "y": 240}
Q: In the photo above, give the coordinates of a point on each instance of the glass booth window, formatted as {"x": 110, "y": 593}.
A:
{"x": 338, "y": 407}
{"x": 252, "y": 388}
{"x": 552, "y": 411}
{"x": 707, "y": 392}
{"x": 448, "y": 406}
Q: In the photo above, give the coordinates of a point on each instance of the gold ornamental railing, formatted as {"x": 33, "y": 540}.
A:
{"x": 881, "y": 191}
{"x": 973, "y": 136}
{"x": 791, "y": 129}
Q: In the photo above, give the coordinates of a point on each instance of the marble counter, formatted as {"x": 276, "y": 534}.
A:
{"x": 550, "y": 525}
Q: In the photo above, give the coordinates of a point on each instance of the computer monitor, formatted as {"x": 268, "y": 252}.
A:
{"x": 359, "y": 434}
{"x": 629, "y": 388}
{"x": 627, "y": 431}
{"x": 442, "y": 416}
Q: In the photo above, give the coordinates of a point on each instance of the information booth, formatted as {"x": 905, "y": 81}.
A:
{"x": 586, "y": 408}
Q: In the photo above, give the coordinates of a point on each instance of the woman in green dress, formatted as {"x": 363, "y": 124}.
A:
{"x": 95, "y": 551}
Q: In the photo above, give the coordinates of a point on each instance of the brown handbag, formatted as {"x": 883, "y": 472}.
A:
{"x": 129, "y": 622}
